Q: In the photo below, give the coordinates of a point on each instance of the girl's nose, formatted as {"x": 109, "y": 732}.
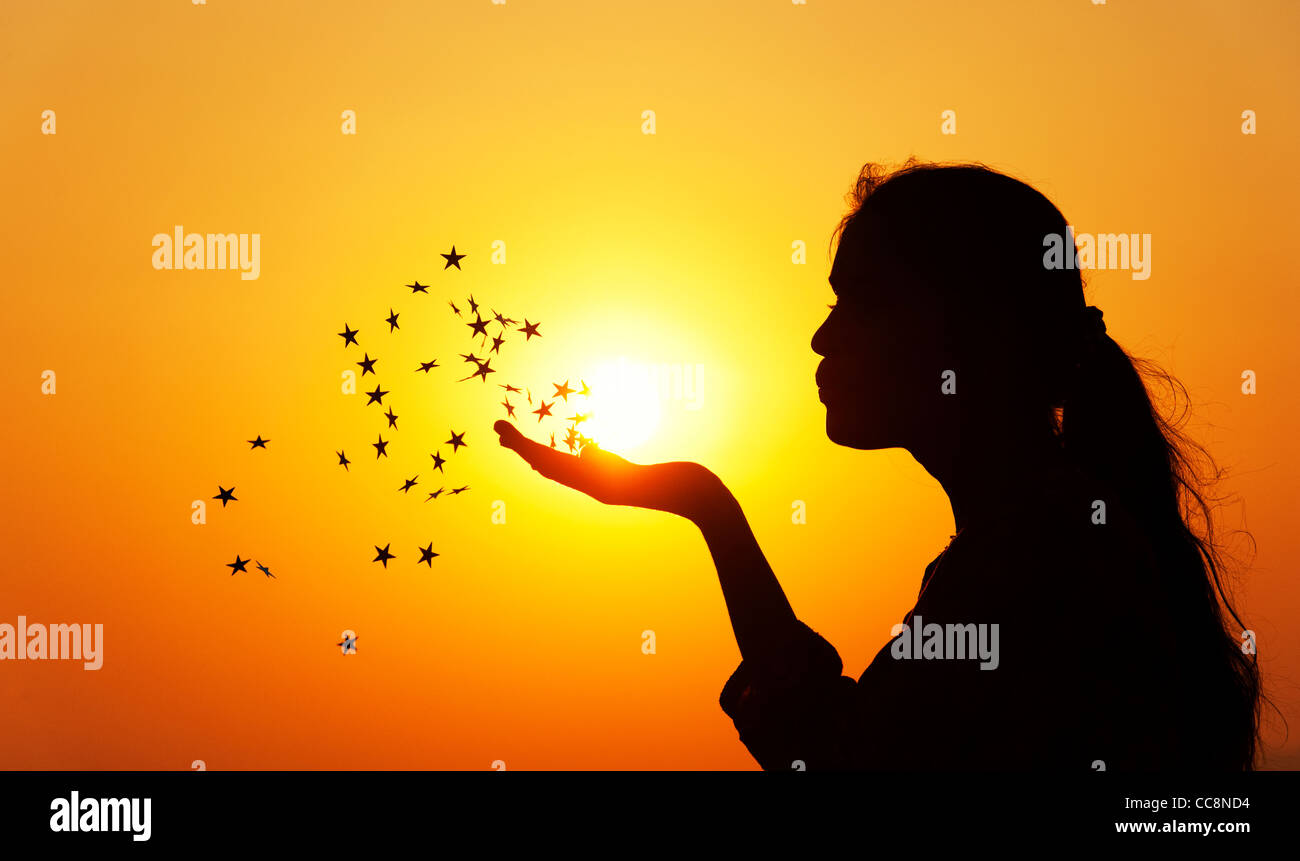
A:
{"x": 822, "y": 338}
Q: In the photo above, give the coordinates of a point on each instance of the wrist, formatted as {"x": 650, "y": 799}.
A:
{"x": 717, "y": 509}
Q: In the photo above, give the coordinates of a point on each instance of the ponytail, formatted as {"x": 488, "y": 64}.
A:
{"x": 1111, "y": 429}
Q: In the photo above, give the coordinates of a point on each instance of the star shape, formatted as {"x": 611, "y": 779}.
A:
{"x": 510, "y": 408}
{"x": 451, "y": 303}
{"x": 262, "y": 568}
{"x": 497, "y": 341}
{"x": 459, "y": 489}
{"x": 484, "y": 368}
{"x": 503, "y": 320}
{"x": 391, "y": 320}
{"x": 457, "y": 440}
{"x": 479, "y": 326}
{"x": 571, "y": 439}
{"x": 343, "y": 461}
{"x": 384, "y": 555}
{"x": 367, "y": 365}
{"x": 453, "y": 259}
{"x": 226, "y": 496}
{"x": 376, "y": 397}
{"x": 258, "y": 443}
{"x": 510, "y": 388}
{"x": 427, "y": 554}
{"x": 586, "y": 392}
{"x": 417, "y": 287}
{"x": 381, "y": 447}
{"x": 349, "y": 336}
{"x": 435, "y": 494}
{"x": 410, "y": 482}
{"x": 392, "y": 418}
{"x": 542, "y": 411}
{"x": 427, "y": 366}
{"x": 238, "y": 565}
{"x": 473, "y": 306}
{"x": 552, "y": 437}
{"x": 563, "y": 391}
{"x": 438, "y": 460}
{"x": 530, "y": 329}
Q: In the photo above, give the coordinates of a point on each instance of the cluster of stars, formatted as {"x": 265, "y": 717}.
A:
{"x": 489, "y": 329}
{"x": 572, "y": 439}
{"x": 492, "y": 328}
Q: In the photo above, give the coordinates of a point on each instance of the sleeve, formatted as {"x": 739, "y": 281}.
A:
{"x": 795, "y": 707}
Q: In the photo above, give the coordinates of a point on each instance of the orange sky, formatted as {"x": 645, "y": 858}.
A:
{"x": 522, "y": 123}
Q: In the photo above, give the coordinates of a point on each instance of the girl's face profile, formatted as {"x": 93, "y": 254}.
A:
{"x": 883, "y": 361}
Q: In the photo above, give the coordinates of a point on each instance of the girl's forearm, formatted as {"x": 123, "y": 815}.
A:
{"x": 761, "y": 615}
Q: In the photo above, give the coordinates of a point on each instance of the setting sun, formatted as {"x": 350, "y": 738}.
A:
{"x": 623, "y": 409}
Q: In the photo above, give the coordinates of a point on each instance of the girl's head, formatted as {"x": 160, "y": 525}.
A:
{"x": 954, "y": 338}
{"x": 945, "y": 314}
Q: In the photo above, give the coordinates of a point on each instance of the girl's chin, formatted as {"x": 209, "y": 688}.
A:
{"x": 850, "y": 432}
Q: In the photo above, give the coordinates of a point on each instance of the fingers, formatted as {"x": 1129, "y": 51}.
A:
{"x": 510, "y": 436}
{"x": 555, "y": 465}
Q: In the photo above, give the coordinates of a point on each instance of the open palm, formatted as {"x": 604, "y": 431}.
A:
{"x": 679, "y": 487}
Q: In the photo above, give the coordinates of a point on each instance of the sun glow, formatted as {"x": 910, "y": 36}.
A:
{"x": 623, "y": 409}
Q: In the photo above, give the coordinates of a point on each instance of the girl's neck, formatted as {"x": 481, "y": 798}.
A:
{"x": 988, "y": 480}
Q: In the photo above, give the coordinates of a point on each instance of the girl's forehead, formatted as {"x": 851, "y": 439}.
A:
{"x": 858, "y": 261}
{"x": 850, "y": 264}
{"x": 863, "y": 246}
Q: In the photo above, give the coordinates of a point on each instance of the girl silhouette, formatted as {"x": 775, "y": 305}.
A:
{"x": 1075, "y": 556}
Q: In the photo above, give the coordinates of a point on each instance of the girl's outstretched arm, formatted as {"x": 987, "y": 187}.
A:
{"x": 761, "y": 615}
{"x": 787, "y": 698}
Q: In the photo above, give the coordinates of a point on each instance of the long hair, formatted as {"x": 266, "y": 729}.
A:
{"x": 978, "y": 236}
